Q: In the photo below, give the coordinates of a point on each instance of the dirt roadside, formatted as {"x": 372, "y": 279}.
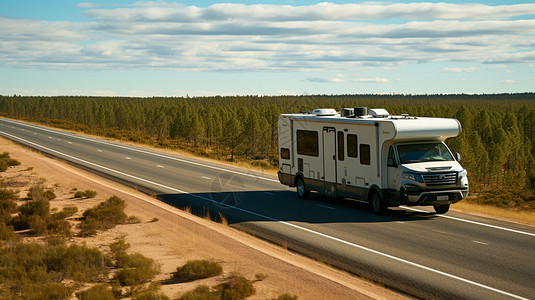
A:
{"x": 178, "y": 236}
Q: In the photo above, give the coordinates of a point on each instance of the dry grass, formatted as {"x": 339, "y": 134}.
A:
{"x": 519, "y": 216}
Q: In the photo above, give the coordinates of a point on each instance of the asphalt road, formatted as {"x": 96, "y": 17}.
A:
{"x": 409, "y": 249}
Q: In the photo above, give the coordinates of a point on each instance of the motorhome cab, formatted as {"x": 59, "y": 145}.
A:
{"x": 371, "y": 156}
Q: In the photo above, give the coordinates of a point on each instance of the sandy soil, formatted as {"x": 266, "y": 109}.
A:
{"x": 178, "y": 236}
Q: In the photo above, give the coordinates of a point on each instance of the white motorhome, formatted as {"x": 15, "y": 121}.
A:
{"x": 371, "y": 156}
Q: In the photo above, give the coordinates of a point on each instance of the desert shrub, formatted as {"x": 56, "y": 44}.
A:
{"x": 35, "y": 208}
{"x": 6, "y": 162}
{"x": 7, "y": 204}
{"x": 85, "y": 194}
{"x": 80, "y": 263}
{"x": 150, "y": 295}
{"x": 38, "y": 192}
{"x": 101, "y": 292}
{"x": 89, "y": 227}
{"x": 197, "y": 269}
{"x": 237, "y": 287}
{"x": 7, "y": 233}
{"x": 8, "y": 194}
{"x": 61, "y": 227}
{"x": 118, "y": 252}
{"x": 133, "y": 220}
{"x": 155, "y": 219}
{"x": 67, "y": 211}
{"x": 52, "y": 291}
{"x": 138, "y": 269}
{"x": 201, "y": 292}
{"x": 23, "y": 262}
{"x": 105, "y": 215}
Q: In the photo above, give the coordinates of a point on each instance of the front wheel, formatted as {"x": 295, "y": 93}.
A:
{"x": 441, "y": 209}
{"x": 302, "y": 192}
{"x": 378, "y": 204}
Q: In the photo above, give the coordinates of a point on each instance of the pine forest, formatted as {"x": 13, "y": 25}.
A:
{"x": 496, "y": 143}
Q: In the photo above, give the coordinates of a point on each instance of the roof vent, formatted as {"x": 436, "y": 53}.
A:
{"x": 324, "y": 112}
{"x": 347, "y": 113}
{"x": 379, "y": 113}
{"x": 361, "y": 111}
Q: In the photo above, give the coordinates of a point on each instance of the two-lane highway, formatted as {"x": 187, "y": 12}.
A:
{"x": 413, "y": 250}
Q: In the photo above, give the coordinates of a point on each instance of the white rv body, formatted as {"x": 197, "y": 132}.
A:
{"x": 371, "y": 157}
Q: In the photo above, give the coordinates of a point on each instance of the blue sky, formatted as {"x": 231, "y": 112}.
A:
{"x": 203, "y": 48}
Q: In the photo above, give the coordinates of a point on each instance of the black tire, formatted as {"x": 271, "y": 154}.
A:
{"x": 302, "y": 191}
{"x": 377, "y": 203}
{"x": 441, "y": 209}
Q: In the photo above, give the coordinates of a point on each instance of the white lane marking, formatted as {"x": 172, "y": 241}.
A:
{"x": 126, "y": 157}
{"x": 159, "y": 166}
{"x": 325, "y": 206}
{"x": 239, "y": 173}
{"x": 473, "y": 222}
{"x": 143, "y": 151}
{"x": 278, "y": 221}
{"x": 479, "y": 242}
{"x": 205, "y": 177}
{"x": 99, "y": 150}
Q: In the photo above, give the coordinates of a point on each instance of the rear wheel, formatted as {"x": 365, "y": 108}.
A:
{"x": 441, "y": 209}
{"x": 302, "y": 191}
{"x": 378, "y": 204}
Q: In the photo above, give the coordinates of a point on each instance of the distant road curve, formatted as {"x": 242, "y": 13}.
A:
{"x": 409, "y": 249}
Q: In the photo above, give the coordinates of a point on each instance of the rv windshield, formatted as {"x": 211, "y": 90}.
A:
{"x": 415, "y": 153}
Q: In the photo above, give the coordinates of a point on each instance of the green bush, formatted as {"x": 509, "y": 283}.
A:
{"x": 50, "y": 291}
{"x": 237, "y": 287}
{"x": 7, "y": 233}
{"x": 85, "y": 194}
{"x": 138, "y": 269}
{"x": 7, "y": 194}
{"x": 101, "y": 292}
{"x": 38, "y": 192}
{"x": 67, "y": 211}
{"x": 197, "y": 269}
{"x": 6, "y": 162}
{"x": 202, "y": 292}
{"x": 104, "y": 216}
{"x": 77, "y": 262}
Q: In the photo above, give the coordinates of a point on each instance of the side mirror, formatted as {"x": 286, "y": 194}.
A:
{"x": 458, "y": 157}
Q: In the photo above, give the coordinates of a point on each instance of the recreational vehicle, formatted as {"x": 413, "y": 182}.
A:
{"x": 371, "y": 156}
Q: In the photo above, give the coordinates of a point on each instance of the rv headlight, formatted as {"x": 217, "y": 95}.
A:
{"x": 462, "y": 174}
{"x": 413, "y": 176}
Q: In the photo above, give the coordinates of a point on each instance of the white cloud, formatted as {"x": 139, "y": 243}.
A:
{"x": 459, "y": 70}
{"x": 337, "y": 79}
{"x": 86, "y": 5}
{"x": 239, "y": 37}
{"x": 507, "y": 81}
{"x": 371, "y": 80}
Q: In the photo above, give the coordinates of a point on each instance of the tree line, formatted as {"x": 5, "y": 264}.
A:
{"x": 496, "y": 143}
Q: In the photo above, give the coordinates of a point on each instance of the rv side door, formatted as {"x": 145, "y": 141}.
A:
{"x": 393, "y": 173}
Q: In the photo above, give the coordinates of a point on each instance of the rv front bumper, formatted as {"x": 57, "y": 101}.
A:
{"x": 436, "y": 197}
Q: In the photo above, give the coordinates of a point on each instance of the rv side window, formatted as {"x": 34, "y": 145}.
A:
{"x": 352, "y": 145}
{"x": 285, "y": 153}
{"x": 307, "y": 143}
{"x": 364, "y": 154}
{"x": 340, "y": 145}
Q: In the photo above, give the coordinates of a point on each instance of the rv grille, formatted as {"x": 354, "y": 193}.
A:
{"x": 440, "y": 178}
